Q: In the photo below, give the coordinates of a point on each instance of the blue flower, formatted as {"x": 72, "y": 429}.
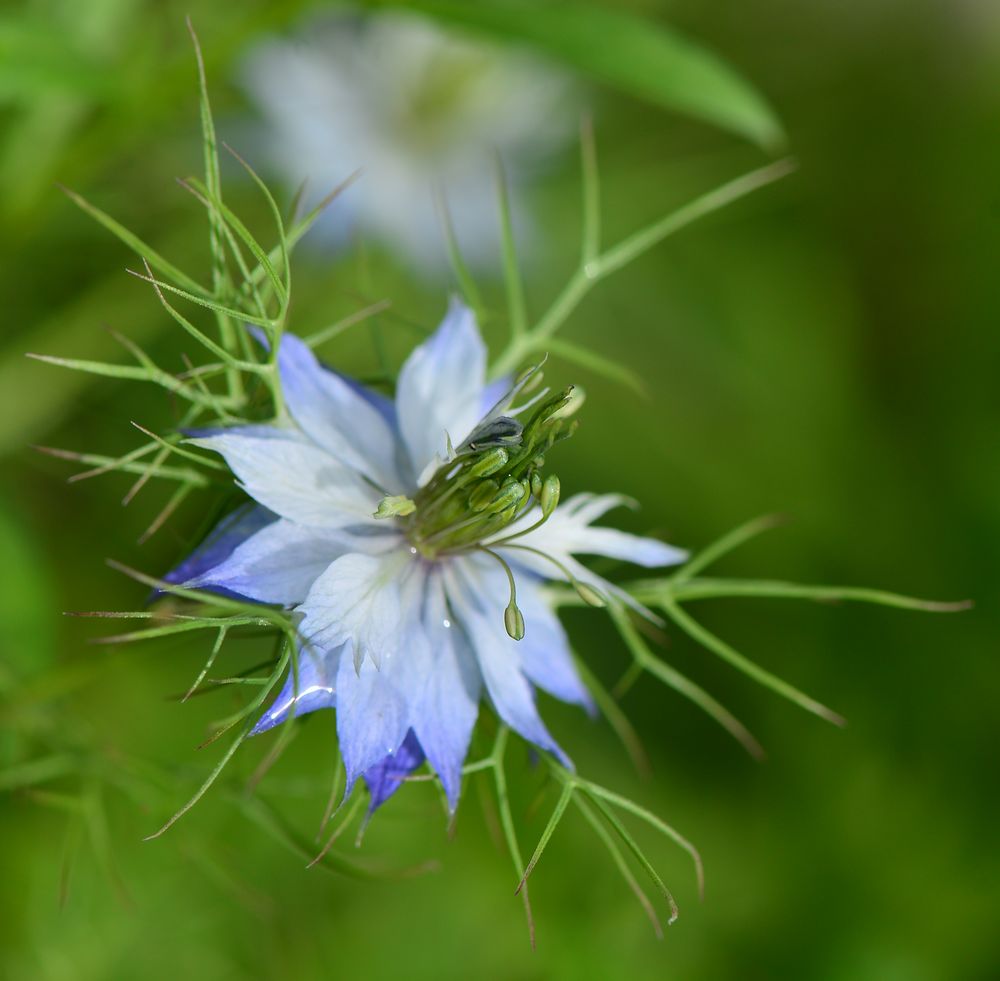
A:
{"x": 401, "y": 619}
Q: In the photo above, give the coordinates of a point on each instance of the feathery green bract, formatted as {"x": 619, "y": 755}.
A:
{"x": 237, "y": 381}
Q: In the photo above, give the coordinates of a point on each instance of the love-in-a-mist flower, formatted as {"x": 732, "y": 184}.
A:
{"x": 412, "y": 539}
{"x": 417, "y": 110}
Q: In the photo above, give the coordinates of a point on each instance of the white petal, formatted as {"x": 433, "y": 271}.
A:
{"x": 280, "y": 563}
{"x": 293, "y": 477}
{"x": 440, "y": 389}
{"x": 376, "y": 699}
{"x": 357, "y": 601}
{"x": 446, "y": 715}
{"x": 333, "y": 413}
{"x": 568, "y": 532}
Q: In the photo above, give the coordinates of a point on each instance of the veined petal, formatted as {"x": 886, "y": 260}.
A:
{"x": 509, "y": 690}
{"x": 372, "y": 717}
{"x": 357, "y": 601}
{"x": 287, "y": 473}
{"x": 569, "y": 532}
{"x": 311, "y": 687}
{"x": 280, "y": 563}
{"x": 445, "y": 716}
{"x": 387, "y": 776}
{"x": 219, "y": 544}
{"x": 333, "y": 413}
{"x": 375, "y": 699}
{"x": 440, "y": 389}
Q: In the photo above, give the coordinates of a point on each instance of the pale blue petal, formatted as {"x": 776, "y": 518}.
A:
{"x": 544, "y": 650}
{"x": 221, "y": 542}
{"x": 440, "y": 388}
{"x": 293, "y": 477}
{"x": 387, "y": 776}
{"x": 312, "y": 688}
{"x": 332, "y": 413}
{"x": 281, "y": 562}
{"x": 358, "y": 600}
{"x": 509, "y": 690}
{"x": 446, "y": 714}
{"x": 372, "y": 716}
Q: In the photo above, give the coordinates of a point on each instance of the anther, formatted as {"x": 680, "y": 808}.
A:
{"x": 513, "y": 621}
{"x": 549, "y": 496}
{"x": 490, "y": 463}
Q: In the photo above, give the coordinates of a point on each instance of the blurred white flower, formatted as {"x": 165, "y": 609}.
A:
{"x": 417, "y": 111}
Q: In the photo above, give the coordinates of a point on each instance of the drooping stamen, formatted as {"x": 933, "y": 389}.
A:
{"x": 513, "y": 620}
{"x": 587, "y": 593}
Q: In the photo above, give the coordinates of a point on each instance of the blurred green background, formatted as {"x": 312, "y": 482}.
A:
{"x": 826, "y": 349}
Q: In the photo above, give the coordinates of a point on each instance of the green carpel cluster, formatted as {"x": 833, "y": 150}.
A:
{"x": 486, "y": 486}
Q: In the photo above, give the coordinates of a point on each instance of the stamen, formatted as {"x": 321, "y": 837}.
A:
{"x": 548, "y": 498}
{"x": 513, "y": 620}
{"x": 588, "y": 594}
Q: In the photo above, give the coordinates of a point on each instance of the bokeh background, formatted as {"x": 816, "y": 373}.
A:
{"x": 826, "y": 349}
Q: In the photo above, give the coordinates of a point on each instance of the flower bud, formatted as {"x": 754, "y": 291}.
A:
{"x": 536, "y": 484}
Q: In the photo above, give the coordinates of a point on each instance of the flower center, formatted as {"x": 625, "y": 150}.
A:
{"x": 492, "y": 479}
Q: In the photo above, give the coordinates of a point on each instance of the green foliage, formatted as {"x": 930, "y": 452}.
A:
{"x": 637, "y": 55}
{"x": 54, "y": 762}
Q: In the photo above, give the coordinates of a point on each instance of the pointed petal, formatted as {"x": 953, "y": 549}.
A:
{"x": 281, "y": 562}
{"x": 372, "y": 717}
{"x": 228, "y": 534}
{"x": 544, "y": 650}
{"x": 312, "y": 687}
{"x": 440, "y": 390}
{"x": 509, "y": 690}
{"x": 293, "y": 477}
{"x": 446, "y": 714}
{"x": 387, "y": 776}
{"x": 569, "y": 532}
{"x": 333, "y": 414}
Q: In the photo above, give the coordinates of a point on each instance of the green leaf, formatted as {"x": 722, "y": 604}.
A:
{"x": 631, "y": 53}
